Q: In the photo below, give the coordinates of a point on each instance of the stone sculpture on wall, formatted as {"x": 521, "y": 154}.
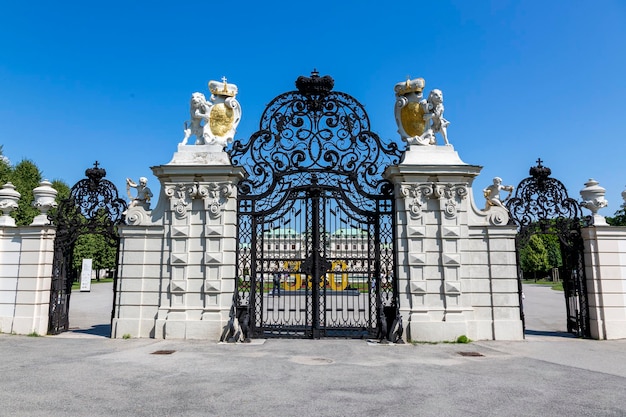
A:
{"x": 492, "y": 194}
{"x": 419, "y": 119}
{"x": 142, "y": 199}
{"x": 214, "y": 121}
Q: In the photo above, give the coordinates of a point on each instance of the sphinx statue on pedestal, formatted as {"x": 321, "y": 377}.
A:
{"x": 419, "y": 119}
{"x": 214, "y": 121}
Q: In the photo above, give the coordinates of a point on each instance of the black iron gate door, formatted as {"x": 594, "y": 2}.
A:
{"x": 315, "y": 221}
{"x": 93, "y": 207}
{"x": 542, "y": 207}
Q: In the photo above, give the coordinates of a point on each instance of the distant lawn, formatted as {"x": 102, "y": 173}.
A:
{"x": 76, "y": 285}
{"x": 556, "y": 286}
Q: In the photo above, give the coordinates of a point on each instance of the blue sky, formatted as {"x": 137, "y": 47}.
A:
{"x": 111, "y": 81}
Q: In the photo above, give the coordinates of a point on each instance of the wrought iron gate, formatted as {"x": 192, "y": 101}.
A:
{"x": 93, "y": 206}
{"x": 542, "y": 206}
{"x": 315, "y": 219}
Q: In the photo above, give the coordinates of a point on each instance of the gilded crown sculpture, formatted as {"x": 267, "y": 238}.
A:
{"x": 419, "y": 119}
{"x": 214, "y": 121}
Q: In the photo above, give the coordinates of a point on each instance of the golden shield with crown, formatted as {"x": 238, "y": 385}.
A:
{"x": 412, "y": 117}
{"x": 409, "y": 110}
{"x": 222, "y": 119}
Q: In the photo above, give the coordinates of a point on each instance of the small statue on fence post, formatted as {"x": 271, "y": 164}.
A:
{"x": 143, "y": 193}
{"x": 492, "y": 193}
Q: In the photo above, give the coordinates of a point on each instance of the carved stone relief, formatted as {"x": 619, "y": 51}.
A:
{"x": 214, "y": 195}
{"x": 417, "y": 195}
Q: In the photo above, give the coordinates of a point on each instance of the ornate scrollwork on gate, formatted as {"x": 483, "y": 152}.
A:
{"x": 315, "y": 216}
{"x": 542, "y": 206}
{"x": 541, "y": 197}
{"x": 314, "y": 129}
{"x": 94, "y": 207}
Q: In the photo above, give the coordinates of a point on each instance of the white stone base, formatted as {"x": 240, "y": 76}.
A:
{"x": 423, "y": 331}
{"x": 190, "y": 329}
{"x": 40, "y": 220}
{"x": 29, "y": 325}
{"x": 431, "y": 155}
{"x": 442, "y": 331}
{"x": 200, "y": 155}
{"x": 132, "y": 327}
{"x": 7, "y": 221}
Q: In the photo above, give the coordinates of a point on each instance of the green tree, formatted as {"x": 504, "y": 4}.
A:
{"x": 96, "y": 247}
{"x": 619, "y": 219}
{"x": 553, "y": 246}
{"x": 26, "y": 177}
{"x": 5, "y": 168}
{"x": 63, "y": 191}
{"x": 62, "y": 188}
{"x": 534, "y": 256}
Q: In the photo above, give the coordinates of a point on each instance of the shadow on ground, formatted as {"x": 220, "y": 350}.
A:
{"x": 529, "y": 332}
{"x": 103, "y": 330}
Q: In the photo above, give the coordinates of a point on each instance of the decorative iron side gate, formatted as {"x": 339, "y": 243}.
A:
{"x": 541, "y": 206}
{"x": 315, "y": 219}
{"x": 93, "y": 206}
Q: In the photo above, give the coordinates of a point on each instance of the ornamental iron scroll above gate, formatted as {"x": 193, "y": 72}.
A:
{"x": 318, "y": 130}
{"x": 541, "y": 205}
{"x": 315, "y": 218}
{"x": 93, "y": 207}
{"x": 540, "y": 197}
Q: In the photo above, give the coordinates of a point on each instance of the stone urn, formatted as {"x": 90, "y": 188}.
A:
{"x": 44, "y": 200}
{"x": 8, "y": 202}
{"x": 593, "y": 200}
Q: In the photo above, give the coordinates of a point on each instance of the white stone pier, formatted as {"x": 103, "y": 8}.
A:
{"x": 457, "y": 266}
{"x": 177, "y": 262}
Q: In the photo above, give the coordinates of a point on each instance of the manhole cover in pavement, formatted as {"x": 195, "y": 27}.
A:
{"x": 163, "y": 352}
{"x": 475, "y": 354}
{"x": 308, "y": 360}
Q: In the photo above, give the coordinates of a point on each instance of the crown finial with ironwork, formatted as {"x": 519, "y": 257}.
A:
{"x": 96, "y": 173}
{"x": 540, "y": 172}
{"x": 315, "y": 85}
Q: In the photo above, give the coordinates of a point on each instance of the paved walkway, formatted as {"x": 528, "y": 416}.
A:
{"x": 82, "y": 373}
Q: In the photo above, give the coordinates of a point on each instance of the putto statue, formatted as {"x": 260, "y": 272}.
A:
{"x": 215, "y": 121}
{"x": 143, "y": 193}
{"x": 492, "y": 193}
{"x": 419, "y": 119}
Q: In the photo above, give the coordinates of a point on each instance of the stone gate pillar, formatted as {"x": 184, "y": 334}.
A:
{"x": 605, "y": 269}
{"x": 177, "y": 262}
{"x": 26, "y": 256}
{"x": 456, "y": 265}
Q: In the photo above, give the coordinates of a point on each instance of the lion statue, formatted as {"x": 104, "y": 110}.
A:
{"x": 200, "y": 110}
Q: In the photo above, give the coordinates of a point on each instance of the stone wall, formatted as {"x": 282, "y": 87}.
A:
{"x": 605, "y": 268}
{"x": 177, "y": 262}
{"x": 457, "y": 265}
{"x": 26, "y": 255}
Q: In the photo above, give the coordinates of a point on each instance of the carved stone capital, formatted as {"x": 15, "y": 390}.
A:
{"x": 215, "y": 196}
{"x": 453, "y": 195}
{"x": 416, "y": 196}
{"x": 180, "y": 198}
